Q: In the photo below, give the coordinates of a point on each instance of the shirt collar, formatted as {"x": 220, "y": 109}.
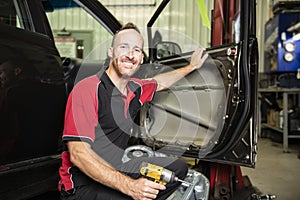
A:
{"x": 110, "y": 86}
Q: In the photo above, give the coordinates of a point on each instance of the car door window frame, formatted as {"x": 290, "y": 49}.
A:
{"x": 32, "y": 17}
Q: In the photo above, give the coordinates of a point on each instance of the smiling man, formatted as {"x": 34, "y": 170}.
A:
{"x": 99, "y": 118}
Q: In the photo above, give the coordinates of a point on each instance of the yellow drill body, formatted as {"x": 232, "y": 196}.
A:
{"x": 153, "y": 172}
{"x": 158, "y": 174}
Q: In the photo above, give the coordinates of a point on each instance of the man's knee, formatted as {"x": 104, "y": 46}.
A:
{"x": 180, "y": 168}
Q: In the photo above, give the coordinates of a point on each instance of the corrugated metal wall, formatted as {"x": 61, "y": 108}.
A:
{"x": 136, "y": 11}
{"x": 180, "y": 21}
{"x": 75, "y": 19}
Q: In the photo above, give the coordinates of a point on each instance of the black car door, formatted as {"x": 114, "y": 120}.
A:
{"x": 32, "y": 100}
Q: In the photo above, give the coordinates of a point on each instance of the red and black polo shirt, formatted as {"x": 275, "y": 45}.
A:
{"x": 98, "y": 113}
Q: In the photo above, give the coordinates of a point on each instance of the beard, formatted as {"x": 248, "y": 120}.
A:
{"x": 117, "y": 68}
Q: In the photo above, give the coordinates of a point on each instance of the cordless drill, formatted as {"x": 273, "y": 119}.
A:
{"x": 159, "y": 174}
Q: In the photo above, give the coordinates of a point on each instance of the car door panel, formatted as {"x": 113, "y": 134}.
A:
{"x": 210, "y": 114}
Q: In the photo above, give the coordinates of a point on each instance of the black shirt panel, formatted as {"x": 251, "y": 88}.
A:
{"x": 115, "y": 119}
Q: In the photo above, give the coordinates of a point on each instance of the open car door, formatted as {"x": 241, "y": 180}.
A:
{"x": 211, "y": 113}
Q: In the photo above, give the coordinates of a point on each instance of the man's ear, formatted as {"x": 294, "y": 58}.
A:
{"x": 110, "y": 52}
{"x": 142, "y": 61}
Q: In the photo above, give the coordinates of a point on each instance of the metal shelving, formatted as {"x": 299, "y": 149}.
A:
{"x": 285, "y": 129}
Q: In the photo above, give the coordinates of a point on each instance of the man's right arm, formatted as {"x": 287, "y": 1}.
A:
{"x": 91, "y": 164}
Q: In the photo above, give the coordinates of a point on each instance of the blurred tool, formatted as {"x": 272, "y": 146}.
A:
{"x": 259, "y": 197}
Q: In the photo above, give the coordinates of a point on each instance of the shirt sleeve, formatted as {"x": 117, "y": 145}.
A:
{"x": 148, "y": 90}
{"x": 81, "y": 116}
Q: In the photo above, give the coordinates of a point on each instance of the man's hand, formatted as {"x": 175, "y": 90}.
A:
{"x": 165, "y": 80}
{"x": 143, "y": 189}
{"x": 198, "y": 58}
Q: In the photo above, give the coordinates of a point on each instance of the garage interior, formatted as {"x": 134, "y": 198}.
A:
{"x": 276, "y": 174}
{"x": 278, "y": 147}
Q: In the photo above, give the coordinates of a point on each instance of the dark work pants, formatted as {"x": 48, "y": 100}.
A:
{"x": 97, "y": 191}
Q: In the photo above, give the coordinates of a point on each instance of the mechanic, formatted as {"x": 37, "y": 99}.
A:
{"x": 98, "y": 122}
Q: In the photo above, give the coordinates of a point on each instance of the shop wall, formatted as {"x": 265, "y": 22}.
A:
{"x": 75, "y": 19}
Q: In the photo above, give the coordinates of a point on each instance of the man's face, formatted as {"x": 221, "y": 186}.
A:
{"x": 126, "y": 53}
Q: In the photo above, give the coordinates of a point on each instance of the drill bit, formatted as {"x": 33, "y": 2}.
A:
{"x": 182, "y": 181}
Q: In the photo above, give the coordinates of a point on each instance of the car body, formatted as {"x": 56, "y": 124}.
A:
{"x": 209, "y": 115}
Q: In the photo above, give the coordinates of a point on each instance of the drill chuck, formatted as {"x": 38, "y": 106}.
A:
{"x": 168, "y": 176}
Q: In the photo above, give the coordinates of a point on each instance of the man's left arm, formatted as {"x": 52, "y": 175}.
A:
{"x": 167, "y": 79}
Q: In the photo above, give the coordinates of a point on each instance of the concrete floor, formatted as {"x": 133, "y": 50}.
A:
{"x": 276, "y": 172}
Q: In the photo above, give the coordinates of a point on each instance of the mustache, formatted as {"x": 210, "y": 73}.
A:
{"x": 129, "y": 60}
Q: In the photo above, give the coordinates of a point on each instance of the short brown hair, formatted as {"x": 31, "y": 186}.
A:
{"x": 126, "y": 26}
{"x": 129, "y": 25}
